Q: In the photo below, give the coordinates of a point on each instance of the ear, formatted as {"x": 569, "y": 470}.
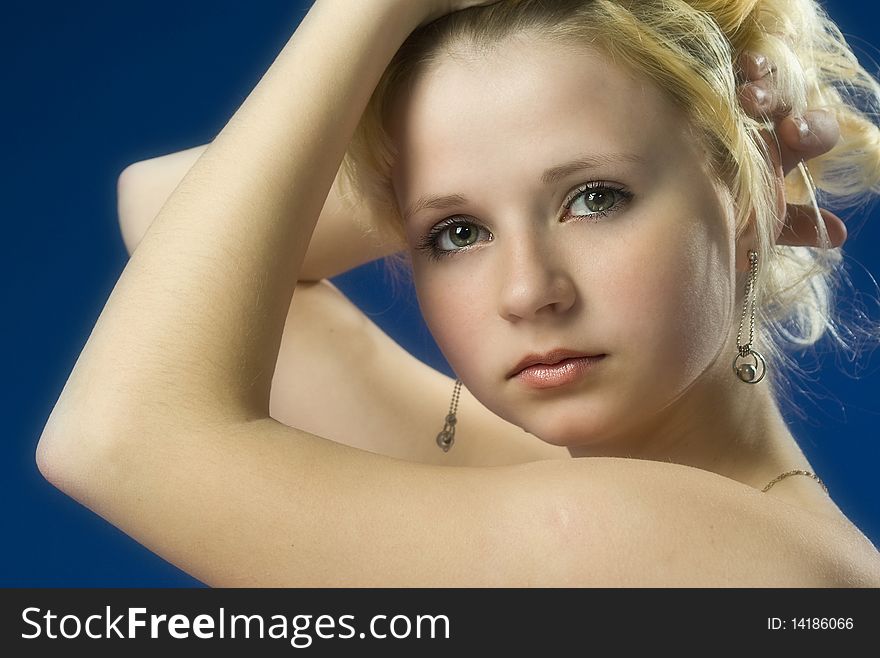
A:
{"x": 748, "y": 240}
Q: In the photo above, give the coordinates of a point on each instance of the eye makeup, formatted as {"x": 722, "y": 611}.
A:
{"x": 609, "y": 197}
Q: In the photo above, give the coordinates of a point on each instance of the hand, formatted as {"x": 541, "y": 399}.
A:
{"x": 800, "y": 138}
{"x": 434, "y": 9}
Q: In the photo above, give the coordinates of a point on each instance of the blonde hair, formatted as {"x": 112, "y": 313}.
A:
{"x": 689, "y": 48}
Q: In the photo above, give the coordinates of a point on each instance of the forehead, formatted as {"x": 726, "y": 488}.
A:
{"x": 527, "y": 104}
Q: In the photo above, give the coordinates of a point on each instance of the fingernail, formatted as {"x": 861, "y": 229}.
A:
{"x": 760, "y": 95}
{"x": 761, "y": 64}
{"x": 803, "y": 129}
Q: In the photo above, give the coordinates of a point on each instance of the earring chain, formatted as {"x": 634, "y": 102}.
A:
{"x": 745, "y": 350}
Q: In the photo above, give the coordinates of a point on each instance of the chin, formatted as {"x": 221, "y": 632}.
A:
{"x": 570, "y": 432}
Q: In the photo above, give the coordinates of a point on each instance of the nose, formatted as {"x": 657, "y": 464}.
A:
{"x": 536, "y": 282}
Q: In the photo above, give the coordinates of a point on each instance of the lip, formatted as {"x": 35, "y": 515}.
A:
{"x": 552, "y": 357}
{"x": 542, "y": 375}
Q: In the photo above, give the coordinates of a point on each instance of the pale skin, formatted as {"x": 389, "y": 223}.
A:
{"x": 232, "y": 460}
{"x": 621, "y": 286}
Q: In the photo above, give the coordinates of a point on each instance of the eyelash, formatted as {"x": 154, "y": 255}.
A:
{"x": 428, "y": 244}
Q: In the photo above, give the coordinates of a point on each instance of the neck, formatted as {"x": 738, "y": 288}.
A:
{"x": 720, "y": 424}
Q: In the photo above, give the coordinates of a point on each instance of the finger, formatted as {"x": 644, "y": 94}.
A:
{"x": 755, "y": 100}
{"x": 800, "y": 228}
{"x": 756, "y": 88}
{"x": 803, "y": 138}
{"x": 752, "y": 66}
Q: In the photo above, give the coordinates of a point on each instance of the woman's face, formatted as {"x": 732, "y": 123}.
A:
{"x": 639, "y": 268}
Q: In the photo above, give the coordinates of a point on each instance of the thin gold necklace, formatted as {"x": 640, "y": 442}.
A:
{"x": 794, "y": 472}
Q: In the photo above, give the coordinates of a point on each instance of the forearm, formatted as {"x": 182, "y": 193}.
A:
{"x": 345, "y": 237}
{"x": 198, "y": 313}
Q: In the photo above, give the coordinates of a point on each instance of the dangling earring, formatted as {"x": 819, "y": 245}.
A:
{"x": 447, "y": 436}
{"x": 749, "y": 372}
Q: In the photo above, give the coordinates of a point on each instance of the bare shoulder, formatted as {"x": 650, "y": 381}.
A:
{"x": 651, "y": 524}
{"x": 849, "y": 558}
{"x": 263, "y": 504}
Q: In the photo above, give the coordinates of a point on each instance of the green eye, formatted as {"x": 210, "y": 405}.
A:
{"x": 452, "y": 236}
{"x": 456, "y": 235}
{"x": 599, "y": 201}
{"x": 462, "y": 235}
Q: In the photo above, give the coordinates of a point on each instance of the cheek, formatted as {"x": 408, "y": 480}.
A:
{"x": 453, "y": 313}
{"x": 674, "y": 313}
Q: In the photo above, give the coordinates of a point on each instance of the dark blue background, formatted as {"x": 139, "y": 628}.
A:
{"x": 92, "y": 87}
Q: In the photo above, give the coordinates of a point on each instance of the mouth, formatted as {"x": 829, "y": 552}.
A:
{"x": 550, "y": 359}
{"x": 566, "y": 371}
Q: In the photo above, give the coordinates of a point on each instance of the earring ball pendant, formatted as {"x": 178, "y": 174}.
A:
{"x": 750, "y": 373}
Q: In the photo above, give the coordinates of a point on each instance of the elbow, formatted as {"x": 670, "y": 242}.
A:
{"x": 61, "y": 467}
{"x": 50, "y": 459}
{"x": 45, "y": 463}
{"x": 49, "y": 446}
{"x": 68, "y": 457}
{"x": 127, "y": 206}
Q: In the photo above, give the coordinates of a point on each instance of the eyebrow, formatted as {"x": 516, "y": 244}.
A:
{"x": 550, "y": 176}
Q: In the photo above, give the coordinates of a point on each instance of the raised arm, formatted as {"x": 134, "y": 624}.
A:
{"x": 344, "y": 238}
{"x": 177, "y": 448}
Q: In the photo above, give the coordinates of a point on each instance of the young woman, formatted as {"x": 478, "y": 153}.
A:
{"x": 593, "y": 228}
